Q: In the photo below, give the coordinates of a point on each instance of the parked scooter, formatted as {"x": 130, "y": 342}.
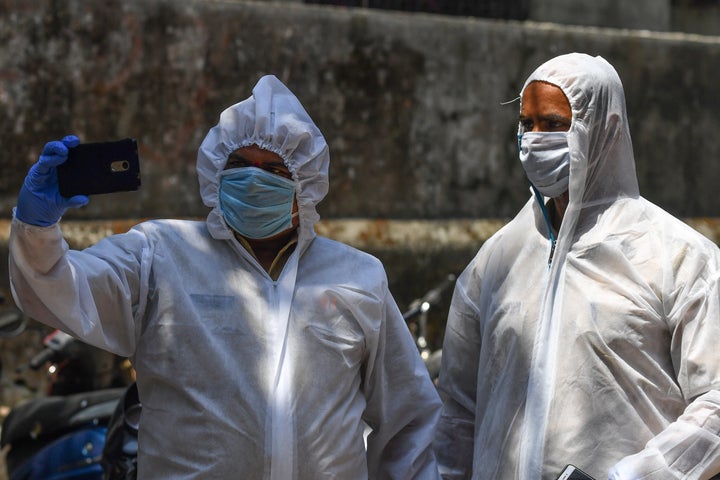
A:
{"x": 62, "y": 435}
{"x": 416, "y": 318}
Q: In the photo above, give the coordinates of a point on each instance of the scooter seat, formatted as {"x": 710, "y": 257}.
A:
{"x": 49, "y": 417}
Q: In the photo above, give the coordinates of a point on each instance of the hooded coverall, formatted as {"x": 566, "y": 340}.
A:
{"x": 240, "y": 375}
{"x": 608, "y": 358}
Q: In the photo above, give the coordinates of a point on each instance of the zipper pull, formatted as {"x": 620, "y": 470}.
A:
{"x": 552, "y": 252}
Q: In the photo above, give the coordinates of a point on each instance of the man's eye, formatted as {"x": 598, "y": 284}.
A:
{"x": 280, "y": 172}
{"x": 236, "y": 163}
{"x": 558, "y": 126}
{"x": 526, "y": 125}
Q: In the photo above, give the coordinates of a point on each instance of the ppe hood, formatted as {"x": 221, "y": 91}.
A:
{"x": 273, "y": 119}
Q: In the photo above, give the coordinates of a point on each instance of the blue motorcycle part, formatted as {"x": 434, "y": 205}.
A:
{"x": 75, "y": 456}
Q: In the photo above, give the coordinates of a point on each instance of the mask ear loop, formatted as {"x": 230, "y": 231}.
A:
{"x": 543, "y": 208}
{"x": 539, "y": 198}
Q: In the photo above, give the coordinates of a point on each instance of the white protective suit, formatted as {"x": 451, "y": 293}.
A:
{"x": 607, "y": 358}
{"x": 241, "y": 376}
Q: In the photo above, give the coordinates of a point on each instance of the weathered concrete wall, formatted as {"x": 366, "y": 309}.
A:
{"x": 689, "y": 16}
{"x": 697, "y": 18}
{"x": 635, "y": 14}
{"x": 410, "y": 105}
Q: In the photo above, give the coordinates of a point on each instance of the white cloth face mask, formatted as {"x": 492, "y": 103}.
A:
{"x": 545, "y": 156}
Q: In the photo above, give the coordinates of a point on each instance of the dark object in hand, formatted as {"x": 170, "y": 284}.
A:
{"x": 102, "y": 167}
{"x": 571, "y": 472}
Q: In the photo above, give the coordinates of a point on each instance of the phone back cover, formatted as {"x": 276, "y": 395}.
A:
{"x": 571, "y": 472}
{"x": 103, "y": 167}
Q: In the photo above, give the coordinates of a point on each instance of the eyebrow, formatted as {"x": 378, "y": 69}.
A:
{"x": 237, "y": 156}
{"x": 551, "y": 116}
{"x": 271, "y": 163}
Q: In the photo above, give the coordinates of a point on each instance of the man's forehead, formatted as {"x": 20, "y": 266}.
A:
{"x": 541, "y": 95}
{"x": 256, "y": 152}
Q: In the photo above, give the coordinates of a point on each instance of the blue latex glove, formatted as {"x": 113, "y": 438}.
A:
{"x": 40, "y": 202}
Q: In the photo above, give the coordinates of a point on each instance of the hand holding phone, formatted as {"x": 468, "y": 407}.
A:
{"x": 101, "y": 167}
{"x": 39, "y": 201}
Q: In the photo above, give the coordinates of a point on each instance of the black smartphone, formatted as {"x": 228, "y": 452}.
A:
{"x": 571, "y": 472}
{"x": 100, "y": 167}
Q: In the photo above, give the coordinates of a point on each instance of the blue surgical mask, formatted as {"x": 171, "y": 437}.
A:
{"x": 255, "y": 203}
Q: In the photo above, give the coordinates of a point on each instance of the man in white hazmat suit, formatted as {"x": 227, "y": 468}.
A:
{"x": 604, "y": 352}
{"x": 246, "y": 368}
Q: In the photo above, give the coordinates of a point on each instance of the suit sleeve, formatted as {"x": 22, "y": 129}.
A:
{"x": 689, "y": 447}
{"x": 402, "y": 404}
{"x": 454, "y": 437}
{"x": 92, "y": 294}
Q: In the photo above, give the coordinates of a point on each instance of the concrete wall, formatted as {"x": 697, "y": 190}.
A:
{"x": 411, "y": 105}
{"x": 690, "y": 16}
{"x": 697, "y": 17}
{"x": 635, "y": 14}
